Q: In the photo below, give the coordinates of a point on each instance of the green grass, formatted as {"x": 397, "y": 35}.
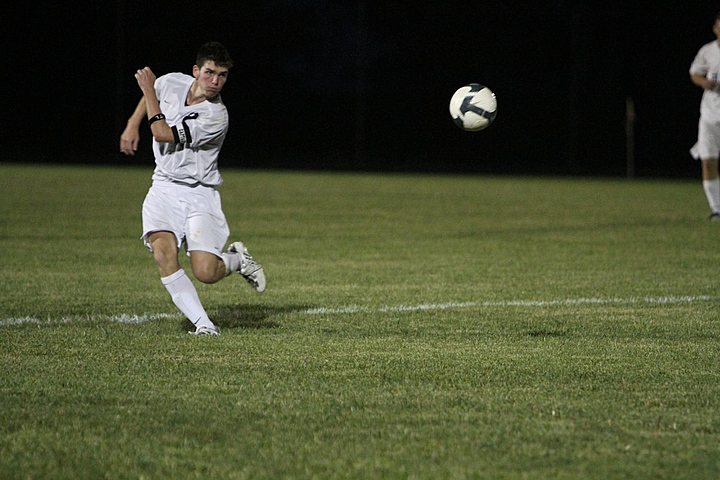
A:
{"x": 415, "y": 326}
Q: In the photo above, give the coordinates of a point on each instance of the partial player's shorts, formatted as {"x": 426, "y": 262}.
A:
{"x": 194, "y": 214}
{"x": 708, "y": 143}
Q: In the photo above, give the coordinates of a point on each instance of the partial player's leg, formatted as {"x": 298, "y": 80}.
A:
{"x": 207, "y": 232}
{"x": 706, "y": 150}
{"x": 164, "y": 246}
{"x": 209, "y": 268}
{"x": 247, "y": 267}
{"x": 711, "y": 186}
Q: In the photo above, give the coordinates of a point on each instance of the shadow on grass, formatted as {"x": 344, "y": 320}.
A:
{"x": 250, "y": 316}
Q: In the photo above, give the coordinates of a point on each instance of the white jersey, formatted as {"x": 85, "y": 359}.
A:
{"x": 707, "y": 64}
{"x": 199, "y": 132}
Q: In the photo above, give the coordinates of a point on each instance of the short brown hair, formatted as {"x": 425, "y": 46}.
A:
{"x": 216, "y": 52}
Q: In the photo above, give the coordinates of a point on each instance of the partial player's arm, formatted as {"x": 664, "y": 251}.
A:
{"x": 130, "y": 137}
{"x": 702, "y": 82}
{"x": 158, "y": 126}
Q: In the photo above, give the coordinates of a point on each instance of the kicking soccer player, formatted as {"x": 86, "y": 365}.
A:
{"x": 704, "y": 72}
{"x": 188, "y": 121}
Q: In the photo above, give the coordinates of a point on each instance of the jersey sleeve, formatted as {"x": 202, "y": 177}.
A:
{"x": 160, "y": 86}
{"x": 700, "y": 65}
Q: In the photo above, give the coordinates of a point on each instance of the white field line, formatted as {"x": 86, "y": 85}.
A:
{"x": 122, "y": 318}
{"x": 346, "y": 310}
{"x": 668, "y": 300}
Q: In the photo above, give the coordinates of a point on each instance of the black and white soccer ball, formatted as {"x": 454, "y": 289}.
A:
{"x": 473, "y": 107}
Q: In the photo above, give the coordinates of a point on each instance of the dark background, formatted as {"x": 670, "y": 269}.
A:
{"x": 364, "y": 85}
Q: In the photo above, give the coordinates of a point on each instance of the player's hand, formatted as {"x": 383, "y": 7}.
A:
{"x": 145, "y": 78}
{"x": 129, "y": 141}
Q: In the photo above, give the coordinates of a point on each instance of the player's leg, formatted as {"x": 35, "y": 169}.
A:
{"x": 164, "y": 246}
{"x": 208, "y": 268}
{"x": 208, "y": 233}
{"x": 706, "y": 151}
{"x": 163, "y": 217}
{"x": 711, "y": 186}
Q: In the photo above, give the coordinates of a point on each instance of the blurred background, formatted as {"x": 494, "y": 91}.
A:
{"x": 583, "y": 88}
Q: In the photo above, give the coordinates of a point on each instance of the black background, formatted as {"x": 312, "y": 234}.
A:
{"x": 364, "y": 85}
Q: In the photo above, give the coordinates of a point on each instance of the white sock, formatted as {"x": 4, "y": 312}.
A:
{"x": 232, "y": 262}
{"x": 712, "y": 192}
{"x": 185, "y": 297}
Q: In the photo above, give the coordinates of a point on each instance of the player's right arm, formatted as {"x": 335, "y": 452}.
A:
{"x": 130, "y": 137}
{"x": 161, "y": 131}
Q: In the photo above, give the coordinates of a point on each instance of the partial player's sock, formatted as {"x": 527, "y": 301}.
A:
{"x": 232, "y": 262}
{"x": 712, "y": 192}
{"x": 185, "y": 297}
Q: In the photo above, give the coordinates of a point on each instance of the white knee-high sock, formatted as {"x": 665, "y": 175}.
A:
{"x": 712, "y": 192}
{"x": 185, "y": 297}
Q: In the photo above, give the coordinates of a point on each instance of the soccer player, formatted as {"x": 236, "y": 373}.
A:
{"x": 704, "y": 72}
{"x": 188, "y": 121}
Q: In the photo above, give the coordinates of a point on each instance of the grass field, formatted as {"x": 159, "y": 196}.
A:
{"x": 414, "y": 326}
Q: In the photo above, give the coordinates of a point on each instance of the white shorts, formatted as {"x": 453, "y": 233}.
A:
{"x": 708, "y": 143}
{"x": 193, "y": 214}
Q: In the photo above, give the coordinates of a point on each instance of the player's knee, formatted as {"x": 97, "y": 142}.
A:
{"x": 164, "y": 251}
{"x": 206, "y": 273}
{"x": 165, "y": 258}
{"x": 206, "y": 267}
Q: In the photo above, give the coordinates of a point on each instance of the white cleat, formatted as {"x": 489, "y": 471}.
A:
{"x": 202, "y": 331}
{"x": 249, "y": 269}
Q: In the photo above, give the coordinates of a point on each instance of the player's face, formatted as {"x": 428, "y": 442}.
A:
{"x": 210, "y": 77}
{"x": 716, "y": 28}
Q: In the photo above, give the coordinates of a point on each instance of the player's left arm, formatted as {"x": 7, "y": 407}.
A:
{"x": 130, "y": 137}
{"x": 158, "y": 126}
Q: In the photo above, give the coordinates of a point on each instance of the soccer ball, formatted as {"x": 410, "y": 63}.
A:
{"x": 473, "y": 107}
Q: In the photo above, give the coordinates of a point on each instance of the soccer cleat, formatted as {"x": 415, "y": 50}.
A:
{"x": 714, "y": 217}
{"x": 201, "y": 331}
{"x": 249, "y": 269}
